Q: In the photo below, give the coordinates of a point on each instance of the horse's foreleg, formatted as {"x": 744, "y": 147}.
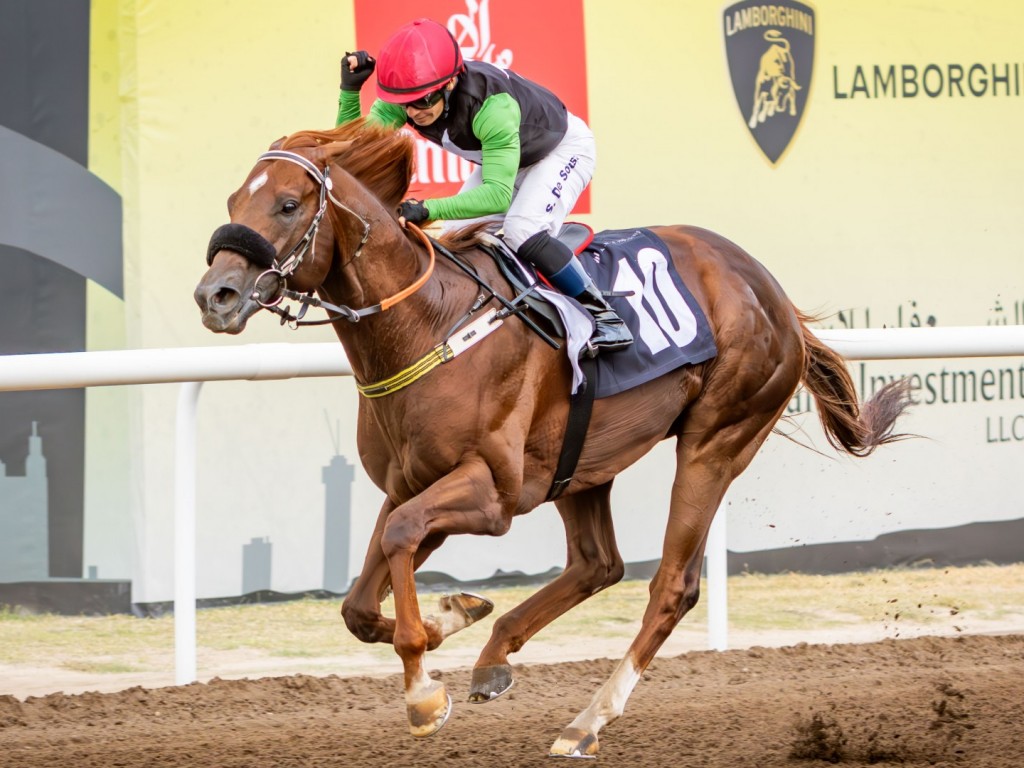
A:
{"x": 592, "y": 564}
{"x": 361, "y": 607}
{"x": 464, "y": 501}
{"x": 703, "y": 473}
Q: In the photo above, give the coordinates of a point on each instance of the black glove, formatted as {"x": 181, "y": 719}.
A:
{"x": 353, "y": 79}
{"x": 413, "y": 211}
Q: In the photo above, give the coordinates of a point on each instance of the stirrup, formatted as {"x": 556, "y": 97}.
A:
{"x": 592, "y": 348}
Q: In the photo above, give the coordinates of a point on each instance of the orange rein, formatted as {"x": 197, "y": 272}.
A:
{"x": 353, "y": 315}
{"x": 410, "y": 290}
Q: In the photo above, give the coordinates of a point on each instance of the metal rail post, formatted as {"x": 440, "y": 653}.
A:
{"x": 185, "y": 534}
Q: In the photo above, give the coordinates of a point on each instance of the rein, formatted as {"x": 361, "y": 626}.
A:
{"x": 345, "y": 312}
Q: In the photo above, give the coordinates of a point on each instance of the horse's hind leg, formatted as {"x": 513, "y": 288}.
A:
{"x": 705, "y": 467}
{"x": 592, "y": 564}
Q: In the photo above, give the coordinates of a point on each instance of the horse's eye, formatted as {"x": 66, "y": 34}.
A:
{"x": 290, "y": 206}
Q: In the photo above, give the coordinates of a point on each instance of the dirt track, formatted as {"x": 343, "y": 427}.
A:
{"x": 926, "y": 701}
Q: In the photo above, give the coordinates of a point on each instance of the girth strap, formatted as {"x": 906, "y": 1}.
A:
{"x": 581, "y": 405}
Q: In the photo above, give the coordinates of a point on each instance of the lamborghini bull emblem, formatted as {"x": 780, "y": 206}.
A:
{"x": 776, "y": 85}
{"x": 770, "y": 50}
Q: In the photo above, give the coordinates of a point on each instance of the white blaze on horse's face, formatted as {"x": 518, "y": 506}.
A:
{"x": 256, "y": 183}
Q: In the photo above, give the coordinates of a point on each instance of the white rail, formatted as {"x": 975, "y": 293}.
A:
{"x": 71, "y": 370}
{"x": 918, "y": 343}
{"x": 283, "y": 361}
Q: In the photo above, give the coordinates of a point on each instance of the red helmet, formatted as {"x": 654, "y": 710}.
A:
{"x": 418, "y": 59}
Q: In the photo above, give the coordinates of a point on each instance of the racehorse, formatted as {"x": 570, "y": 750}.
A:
{"x": 464, "y": 445}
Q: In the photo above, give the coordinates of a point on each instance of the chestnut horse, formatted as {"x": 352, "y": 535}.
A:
{"x": 472, "y": 443}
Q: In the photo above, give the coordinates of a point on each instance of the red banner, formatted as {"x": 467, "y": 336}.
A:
{"x": 540, "y": 39}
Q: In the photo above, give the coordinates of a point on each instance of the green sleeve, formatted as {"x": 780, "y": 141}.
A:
{"x": 381, "y": 112}
{"x": 497, "y": 127}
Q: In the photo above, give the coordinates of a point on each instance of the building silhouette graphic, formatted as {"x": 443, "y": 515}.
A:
{"x": 337, "y": 477}
{"x": 257, "y": 555}
{"x": 256, "y": 560}
{"x": 24, "y": 518}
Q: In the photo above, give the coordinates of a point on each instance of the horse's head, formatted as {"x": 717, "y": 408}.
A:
{"x": 272, "y": 239}
{"x": 280, "y": 235}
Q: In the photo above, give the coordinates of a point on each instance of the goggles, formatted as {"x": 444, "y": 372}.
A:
{"x": 426, "y": 102}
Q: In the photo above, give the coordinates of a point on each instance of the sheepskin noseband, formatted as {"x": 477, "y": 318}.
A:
{"x": 242, "y": 240}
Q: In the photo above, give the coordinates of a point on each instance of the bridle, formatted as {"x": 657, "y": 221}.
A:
{"x": 285, "y": 267}
{"x": 260, "y": 252}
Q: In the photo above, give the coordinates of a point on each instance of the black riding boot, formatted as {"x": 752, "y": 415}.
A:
{"x": 611, "y": 332}
{"x": 562, "y": 267}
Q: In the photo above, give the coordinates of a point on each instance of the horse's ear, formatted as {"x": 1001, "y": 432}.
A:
{"x": 333, "y": 151}
{"x": 335, "y": 148}
{"x": 279, "y": 143}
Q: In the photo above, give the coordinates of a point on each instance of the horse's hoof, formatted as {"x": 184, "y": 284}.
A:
{"x": 473, "y": 607}
{"x": 458, "y": 612}
{"x": 427, "y": 716}
{"x": 575, "y": 742}
{"x": 488, "y": 683}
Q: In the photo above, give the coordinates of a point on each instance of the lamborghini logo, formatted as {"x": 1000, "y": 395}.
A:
{"x": 770, "y": 50}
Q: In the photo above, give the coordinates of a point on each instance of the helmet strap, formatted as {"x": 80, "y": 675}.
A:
{"x": 446, "y": 95}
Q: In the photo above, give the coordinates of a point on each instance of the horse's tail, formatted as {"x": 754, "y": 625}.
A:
{"x": 849, "y": 425}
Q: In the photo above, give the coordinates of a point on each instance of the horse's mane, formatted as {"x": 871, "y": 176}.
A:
{"x": 380, "y": 158}
{"x": 465, "y": 238}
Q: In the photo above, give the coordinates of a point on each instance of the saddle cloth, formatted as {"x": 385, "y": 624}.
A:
{"x": 668, "y": 326}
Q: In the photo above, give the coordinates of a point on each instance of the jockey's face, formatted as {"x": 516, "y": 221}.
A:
{"x": 428, "y": 109}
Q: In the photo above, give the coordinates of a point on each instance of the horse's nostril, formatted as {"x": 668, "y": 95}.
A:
{"x": 218, "y": 298}
{"x": 225, "y": 297}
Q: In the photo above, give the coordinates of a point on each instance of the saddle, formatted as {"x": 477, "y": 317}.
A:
{"x": 530, "y": 288}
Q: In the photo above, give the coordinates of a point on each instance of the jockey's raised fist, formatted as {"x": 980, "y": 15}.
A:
{"x": 356, "y": 68}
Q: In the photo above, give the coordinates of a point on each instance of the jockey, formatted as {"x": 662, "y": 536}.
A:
{"x": 534, "y": 158}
